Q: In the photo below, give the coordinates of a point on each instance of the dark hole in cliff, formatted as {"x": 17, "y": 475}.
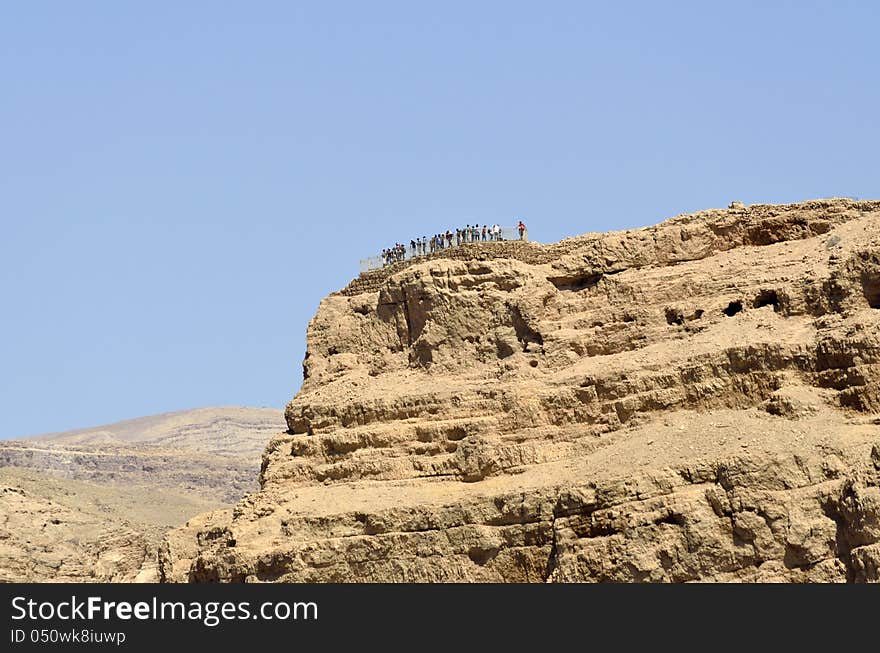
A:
{"x": 733, "y": 308}
{"x": 674, "y": 519}
{"x": 305, "y": 366}
{"x": 871, "y": 288}
{"x": 421, "y": 354}
{"x": 698, "y": 314}
{"x": 674, "y": 316}
{"x": 772, "y": 231}
{"x": 504, "y": 349}
{"x": 482, "y": 556}
{"x": 524, "y": 333}
{"x": 576, "y": 282}
{"x": 533, "y": 363}
{"x": 767, "y": 298}
{"x": 456, "y": 433}
{"x": 332, "y": 351}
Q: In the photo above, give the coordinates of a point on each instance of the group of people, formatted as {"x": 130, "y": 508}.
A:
{"x": 425, "y": 245}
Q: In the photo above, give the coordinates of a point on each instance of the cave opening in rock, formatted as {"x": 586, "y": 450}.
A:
{"x": 576, "y": 283}
{"x": 674, "y": 316}
{"x": 767, "y": 298}
{"x": 524, "y": 333}
{"x": 871, "y": 289}
{"x": 733, "y": 308}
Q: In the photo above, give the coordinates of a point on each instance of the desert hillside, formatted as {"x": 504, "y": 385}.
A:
{"x": 223, "y": 430}
{"x": 93, "y": 504}
{"x": 693, "y": 401}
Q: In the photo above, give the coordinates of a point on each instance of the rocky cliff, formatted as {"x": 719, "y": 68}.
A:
{"x": 693, "y": 401}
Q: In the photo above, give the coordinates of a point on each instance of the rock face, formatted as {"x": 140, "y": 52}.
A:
{"x": 92, "y": 505}
{"x": 694, "y": 401}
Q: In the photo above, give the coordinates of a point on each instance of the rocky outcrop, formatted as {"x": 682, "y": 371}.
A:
{"x": 693, "y": 401}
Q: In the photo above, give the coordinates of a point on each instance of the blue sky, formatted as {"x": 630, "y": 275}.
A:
{"x": 181, "y": 183}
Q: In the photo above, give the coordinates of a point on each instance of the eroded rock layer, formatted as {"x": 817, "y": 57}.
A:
{"x": 692, "y": 401}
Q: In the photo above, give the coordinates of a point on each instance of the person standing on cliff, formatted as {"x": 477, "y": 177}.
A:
{"x": 522, "y": 229}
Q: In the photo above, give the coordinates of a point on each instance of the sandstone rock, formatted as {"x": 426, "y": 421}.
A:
{"x": 694, "y": 401}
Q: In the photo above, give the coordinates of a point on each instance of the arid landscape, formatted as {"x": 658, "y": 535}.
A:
{"x": 693, "y": 401}
{"x": 93, "y": 504}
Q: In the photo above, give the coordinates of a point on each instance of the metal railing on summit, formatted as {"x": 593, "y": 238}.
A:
{"x": 372, "y": 263}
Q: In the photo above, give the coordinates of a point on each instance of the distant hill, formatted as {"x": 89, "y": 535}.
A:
{"x": 91, "y": 504}
{"x": 225, "y": 430}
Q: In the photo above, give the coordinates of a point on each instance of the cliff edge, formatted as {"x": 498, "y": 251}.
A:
{"x": 692, "y": 401}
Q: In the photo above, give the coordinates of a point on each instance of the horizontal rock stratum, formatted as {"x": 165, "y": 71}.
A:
{"x": 693, "y": 401}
